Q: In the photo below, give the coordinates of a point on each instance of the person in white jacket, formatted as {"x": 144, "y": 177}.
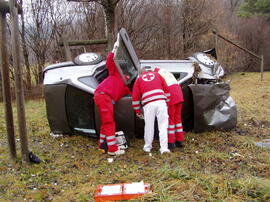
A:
{"x": 175, "y": 128}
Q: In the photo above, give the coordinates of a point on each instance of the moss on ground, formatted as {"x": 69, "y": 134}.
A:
{"x": 213, "y": 166}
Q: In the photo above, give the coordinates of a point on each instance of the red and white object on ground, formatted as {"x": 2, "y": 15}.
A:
{"x": 124, "y": 191}
{"x": 121, "y": 140}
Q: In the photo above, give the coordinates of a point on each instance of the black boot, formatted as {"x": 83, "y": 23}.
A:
{"x": 104, "y": 147}
{"x": 171, "y": 146}
{"x": 179, "y": 144}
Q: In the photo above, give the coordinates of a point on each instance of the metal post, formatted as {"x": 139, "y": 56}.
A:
{"x": 244, "y": 49}
{"x": 6, "y": 87}
{"x": 262, "y": 64}
{"x": 18, "y": 81}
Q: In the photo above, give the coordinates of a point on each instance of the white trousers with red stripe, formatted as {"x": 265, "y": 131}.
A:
{"x": 151, "y": 110}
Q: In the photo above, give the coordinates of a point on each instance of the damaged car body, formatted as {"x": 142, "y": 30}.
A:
{"x": 69, "y": 88}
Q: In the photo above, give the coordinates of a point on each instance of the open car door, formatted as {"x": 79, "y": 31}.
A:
{"x": 126, "y": 58}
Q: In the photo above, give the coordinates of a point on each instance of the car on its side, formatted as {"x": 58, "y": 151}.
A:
{"x": 69, "y": 88}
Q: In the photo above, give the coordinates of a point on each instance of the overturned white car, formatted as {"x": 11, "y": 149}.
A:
{"x": 69, "y": 89}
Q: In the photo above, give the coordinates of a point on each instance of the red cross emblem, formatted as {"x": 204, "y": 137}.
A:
{"x": 148, "y": 77}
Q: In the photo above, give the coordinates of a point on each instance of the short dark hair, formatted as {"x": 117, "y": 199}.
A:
{"x": 146, "y": 69}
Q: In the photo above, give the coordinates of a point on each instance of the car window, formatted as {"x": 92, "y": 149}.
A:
{"x": 126, "y": 58}
{"x": 89, "y": 81}
{"x": 124, "y": 61}
{"x": 179, "y": 75}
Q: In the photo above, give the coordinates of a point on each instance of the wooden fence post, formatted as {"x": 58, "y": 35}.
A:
{"x": 18, "y": 81}
{"x": 216, "y": 43}
{"x": 262, "y": 64}
{"x": 67, "y": 49}
{"x": 66, "y": 44}
{"x": 6, "y": 87}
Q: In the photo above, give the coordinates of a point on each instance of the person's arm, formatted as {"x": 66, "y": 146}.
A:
{"x": 127, "y": 90}
{"x": 136, "y": 96}
{"x": 116, "y": 44}
{"x": 165, "y": 88}
{"x": 110, "y": 64}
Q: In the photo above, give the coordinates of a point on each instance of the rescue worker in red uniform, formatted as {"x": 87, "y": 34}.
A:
{"x": 175, "y": 128}
{"x": 151, "y": 91}
{"x": 109, "y": 91}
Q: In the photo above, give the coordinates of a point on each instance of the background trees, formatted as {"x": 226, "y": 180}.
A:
{"x": 259, "y": 7}
{"x": 170, "y": 29}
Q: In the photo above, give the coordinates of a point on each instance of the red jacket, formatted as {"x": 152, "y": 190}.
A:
{"x": 174, "y": 88}
{"x": 149, "y": 87}
{"x": 113, "y": 85}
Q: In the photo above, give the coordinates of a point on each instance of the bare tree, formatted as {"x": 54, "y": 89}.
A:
{"x": 140, "y": 22}
{"x": 62, "y": 17}
{"x": 109, "y": 12}
{"x": 165, "y": 29}
{"x": 39, "y": 33}
{"x": 25, "y": 51}
{"x": 250, "y": 33}
{"x": 234, "y": 5}
{"x": 169, "y": 29}
{"x": 195, "y": 23}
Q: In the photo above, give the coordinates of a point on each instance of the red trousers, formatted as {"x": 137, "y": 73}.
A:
{"x": 107, "y": 128}
{"x": 175, "y": 128}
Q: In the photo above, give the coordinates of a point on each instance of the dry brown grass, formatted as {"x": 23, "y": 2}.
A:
{"x": 228, "y": 166}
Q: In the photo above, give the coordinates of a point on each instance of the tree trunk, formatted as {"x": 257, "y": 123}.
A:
{"x": 6, "y": 88}
{"x": 18, "y": 81}
{"x": 66, "y": 49}
{"x": 25, "y": 52}
{"x": 109, "y": 12}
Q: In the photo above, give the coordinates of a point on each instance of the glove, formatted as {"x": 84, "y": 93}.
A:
{"x": 118, "y": 37}
{"x": 140, "y": 115}
{"x": 127, "y": 77}
{"x": 116, "y": 44}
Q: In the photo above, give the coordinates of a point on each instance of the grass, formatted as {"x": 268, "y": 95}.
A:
{"x": 226, "y": 167}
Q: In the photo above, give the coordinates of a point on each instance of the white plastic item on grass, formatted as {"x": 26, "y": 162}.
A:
{"x": 121, "y": 140}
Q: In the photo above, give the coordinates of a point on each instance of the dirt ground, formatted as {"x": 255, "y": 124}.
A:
{"x": 212, "y": 166}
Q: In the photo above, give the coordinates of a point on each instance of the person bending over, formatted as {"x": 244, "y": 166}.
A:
{"x": 175, "y": 128}
{"x": 151, "y": 90}
{"x": 109, "y": 91}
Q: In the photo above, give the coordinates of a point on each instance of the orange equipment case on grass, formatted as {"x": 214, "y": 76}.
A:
{"x": 124, "y": 191}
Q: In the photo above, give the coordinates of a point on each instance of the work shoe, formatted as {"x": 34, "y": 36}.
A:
{"x": 123, "y": 146}
{"x": 102, "y": 151}
{"x": 165, "y": 151}
{"x": 104, "y": 146}
{"x": 146, "y": 150}
{"x": 179, "y": 144}
{"x": 171, "y": 145}
{"x": 117, "y": 153}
